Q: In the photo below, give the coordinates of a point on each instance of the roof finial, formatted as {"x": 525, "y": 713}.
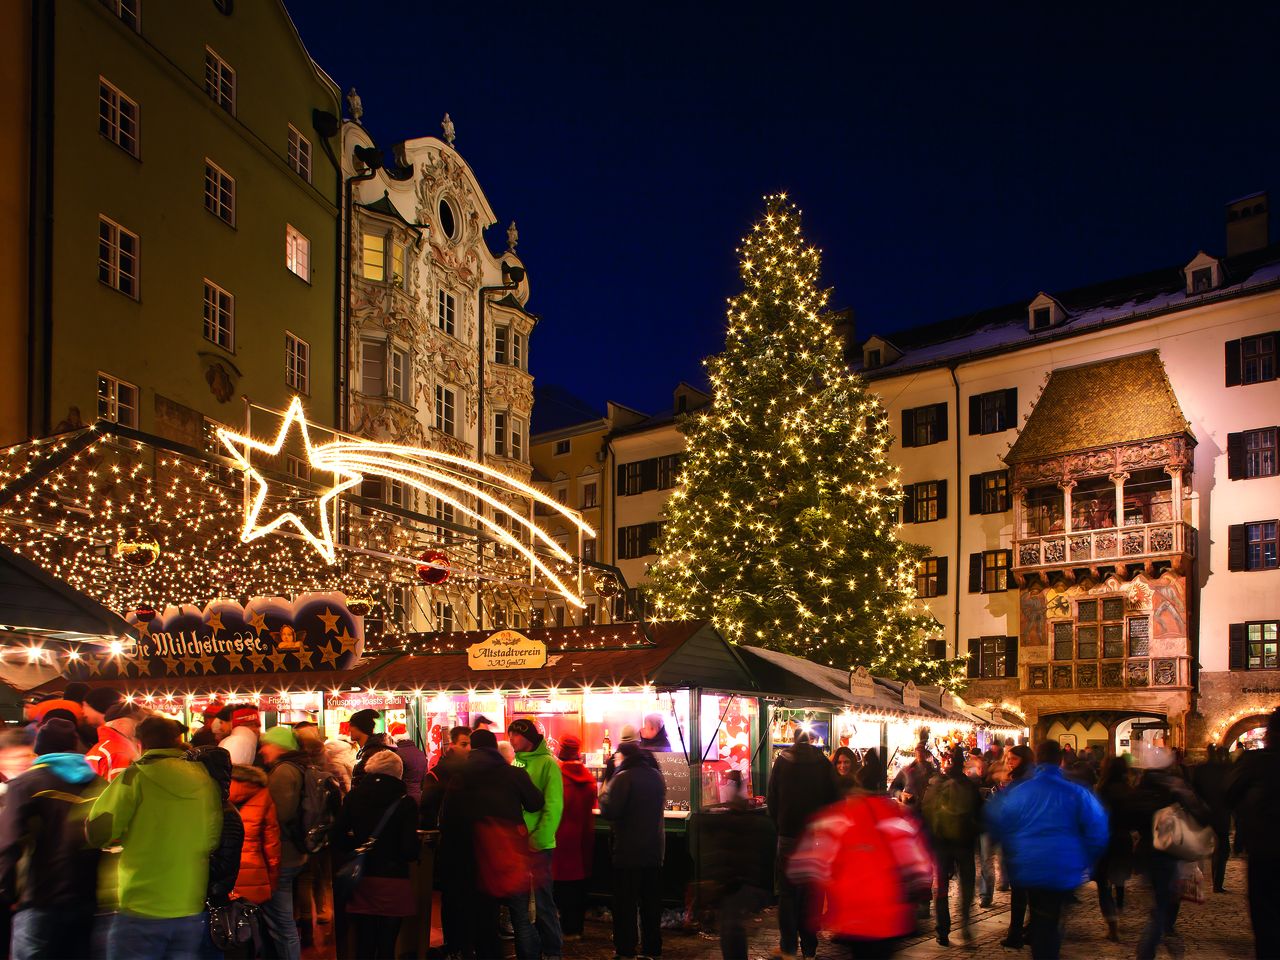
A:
{"x": 447, "y": 126}
{"x": 355, "y": 106}
{"x": 513, "y": 237}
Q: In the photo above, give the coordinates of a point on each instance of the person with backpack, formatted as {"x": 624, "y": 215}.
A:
{"x": 1253, "y": 792}
{"x": 953, "y": 813}
{"x": 42, "y": 829}
{"x": 286, "y": 768}
{"x": 261, "y": 850}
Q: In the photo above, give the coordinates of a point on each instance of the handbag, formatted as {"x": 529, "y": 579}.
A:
{"x": 347, "y": 877}
{"x": 233, "y": 924}
{"x": 502, "y": 855}
{"x": 1175, "y": 833}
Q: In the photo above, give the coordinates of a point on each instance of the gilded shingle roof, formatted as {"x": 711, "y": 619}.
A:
{"x": 1099, "y": 405}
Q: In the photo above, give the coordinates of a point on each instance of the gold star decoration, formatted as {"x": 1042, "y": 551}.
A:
{"x": 342, "y": 480}
{"x": 329, "y": 654}
{"x": 257, "y": 659}
{"x": 330, "y": 620}
{"x": 190, "y": 664}
{"x": 206, "y": 663}
{"x": 144, "y": 628}
{"x": 258, "y": 622}
{"x": 171, "y": 665}
{"x": 277, "y": 659}
{"x": 347, "y": 640}
{"x": 144, "y": 667}
{"x": 215, "y": 624}
{"x": 94, "y": 664}
{"x": 235, "y": 660}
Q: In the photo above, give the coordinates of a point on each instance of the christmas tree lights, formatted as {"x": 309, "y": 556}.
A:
{"x": 783, "y": 530}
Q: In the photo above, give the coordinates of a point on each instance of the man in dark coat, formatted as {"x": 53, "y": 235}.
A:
{"x": 486, "y": 790}
{"x": 634, "y": 801}
{"x": 361, "y": 726}
{"x": 802, "y": 783}
{"x": 953, "y": 812}
{"x": 1209, "y": 780}
{"x": 43, "y": 821}
{"x": 1253, "y": 791}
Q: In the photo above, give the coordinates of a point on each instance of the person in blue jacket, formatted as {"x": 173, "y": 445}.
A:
{"x": 1052, "y": 831}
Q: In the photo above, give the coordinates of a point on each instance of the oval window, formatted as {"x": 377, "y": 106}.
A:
{"x": 448, "y": 223}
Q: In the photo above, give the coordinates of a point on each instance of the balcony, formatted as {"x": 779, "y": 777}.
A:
{"x": 1134, "y": 543}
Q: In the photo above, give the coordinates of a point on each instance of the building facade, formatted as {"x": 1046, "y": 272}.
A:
{"x": 184, "y": 217}
{"x": 1095, "y": 476}
{"x": 435, "y": 354}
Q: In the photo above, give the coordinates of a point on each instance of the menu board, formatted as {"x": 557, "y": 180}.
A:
{"x": 1139, "y": 636}
{"x": 675, "y": 771}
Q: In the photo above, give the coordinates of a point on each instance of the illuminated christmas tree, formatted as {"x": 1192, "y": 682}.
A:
{"x": 783, "y": 530}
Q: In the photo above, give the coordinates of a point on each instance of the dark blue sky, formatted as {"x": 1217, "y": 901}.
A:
{"x": 944, "y": 161}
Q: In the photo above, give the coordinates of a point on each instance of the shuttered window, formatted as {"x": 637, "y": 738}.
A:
{"x": 993, "y": 412}
{"x": 922, "y": 426}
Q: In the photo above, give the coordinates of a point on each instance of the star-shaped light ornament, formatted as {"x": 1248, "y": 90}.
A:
{"x": 330, "y": 620}
{"x": 277, "y": 660}
{"x": 241, "y": 446}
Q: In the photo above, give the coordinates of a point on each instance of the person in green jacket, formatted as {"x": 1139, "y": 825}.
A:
{"x": 543, "y": 937}
{"x": 166, "y": 814}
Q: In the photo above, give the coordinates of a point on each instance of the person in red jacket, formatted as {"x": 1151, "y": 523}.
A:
{"x": 260, "y": 856}
{"x": 575, "y": 838}
{"x": 116, "y": 747}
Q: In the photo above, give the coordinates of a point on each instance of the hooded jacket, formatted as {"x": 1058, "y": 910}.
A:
{"x": 286, "y": 781}
{"x": 576, "y": 836}
{"x": 260, "y": 855}
{"x": 1052, "y": 830}
{"x": 367, "y": 803}
{"x": 415, "y": 768}
{"x": 544, "y": 771}
{"x": 634, "y": 801}
{"x": 802, "y": 782}
{"x": 112, "y": 753}
{"x": 1253, "y": 792}
{"x": 42, "y": 822}
{"x": 376, "y": 743}
{"x": 166, "y": 812}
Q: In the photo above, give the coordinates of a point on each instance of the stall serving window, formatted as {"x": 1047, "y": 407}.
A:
{"x": 729, "y": 740}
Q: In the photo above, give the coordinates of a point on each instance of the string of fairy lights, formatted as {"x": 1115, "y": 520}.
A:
{"x": 783, "y": 526}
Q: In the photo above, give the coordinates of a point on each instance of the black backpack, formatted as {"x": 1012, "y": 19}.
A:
{"x": 318, "y": 805}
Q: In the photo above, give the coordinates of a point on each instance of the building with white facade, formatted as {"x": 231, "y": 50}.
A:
{"x": 1095, "y": 475}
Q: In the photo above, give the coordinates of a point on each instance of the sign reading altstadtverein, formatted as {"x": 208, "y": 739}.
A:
{"x": 315, "y": 631}
{"x": 507, "y": 650}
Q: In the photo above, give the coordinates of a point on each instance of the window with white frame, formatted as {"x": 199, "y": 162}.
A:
{"x": 397, "y": 493}
{"x": 401, "y": 375}
{"x": 297, "y": 252}
{"x": 500, "y": 433}
{"x": 298, "y": 468}
{"x": 297, "y": 363}
{"x": 373, "y": 256}
{"x": 445, "y": 399}
{"x": 444, "y": 617}
{"x": 501, "y": 339}
{"x": 373, "y": 368}
{"x": 299, "y": 153}
{"x": 589, "y": 494}
{"x": 117, "y": 257}
{"x": 517, "y": 439}
{"x": 561, "y": 448}
{"x": 219, "y": 192}
{"x": 446, "y": 312}
{"x": 117, "y": 401}
{"x": 588, "y": 547}
{"x": 398, "y": 263}
{"x": 219, "y": 81}
{"x": 126, "y": 10}
{"x": 517, "y": 350}
{"x": 219, "y": 316}
{"x": 117, "y": 117}
{"x": 445, "y": 513}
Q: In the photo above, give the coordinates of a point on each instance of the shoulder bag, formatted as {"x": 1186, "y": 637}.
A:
{"x": 233, "y": 924}
{"x": 1173, "y": 831}
{"x": 347, "y": 877}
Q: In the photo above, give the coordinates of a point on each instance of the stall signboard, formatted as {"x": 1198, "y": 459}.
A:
{"x": 360, "y": 700}
{"x": 507, "y": 650}
{"x": 675, "y": 771}
{"x": 315, "y": 631}
{"x": 860, "y": 682}
{"x": 910, "y": 695}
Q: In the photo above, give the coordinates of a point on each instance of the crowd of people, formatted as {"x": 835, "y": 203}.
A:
{"x": 123, "y": 834}
{"x": 868, "y": 866}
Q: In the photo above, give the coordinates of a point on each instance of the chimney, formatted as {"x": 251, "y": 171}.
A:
{"x": 1248, "y": 224}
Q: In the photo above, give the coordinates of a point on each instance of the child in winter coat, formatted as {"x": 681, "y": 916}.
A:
{"x": 260, "y": 857}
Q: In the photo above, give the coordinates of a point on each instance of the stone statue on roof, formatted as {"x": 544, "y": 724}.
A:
{"x": 355, "y": 106}
{"x": 447, "y": 126}
{"x": 513, "y": 237}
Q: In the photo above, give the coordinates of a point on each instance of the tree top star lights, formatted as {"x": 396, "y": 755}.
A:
{"x": 783, "y": 529}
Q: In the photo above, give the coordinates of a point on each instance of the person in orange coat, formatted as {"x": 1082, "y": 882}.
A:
{"x": 260, "y": 856}
{"x": 575, "y": 838}
{"x": 116, "y": 747}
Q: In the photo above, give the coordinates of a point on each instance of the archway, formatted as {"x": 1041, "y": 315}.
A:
{"x": 1111, "y": 731}
{"x": 1245, "y": 725}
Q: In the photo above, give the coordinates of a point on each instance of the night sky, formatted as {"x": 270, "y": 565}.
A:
{"x": 944, "y": 162}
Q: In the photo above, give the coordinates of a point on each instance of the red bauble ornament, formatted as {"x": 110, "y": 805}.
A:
{"x": 144, "y": 614}
{"x": 437, "y": 574}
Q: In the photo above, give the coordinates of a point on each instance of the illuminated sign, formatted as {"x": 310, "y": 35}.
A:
{"x": 507, "y": 650}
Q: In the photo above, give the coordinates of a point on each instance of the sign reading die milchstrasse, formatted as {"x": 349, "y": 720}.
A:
{"x": 507, "y": 650}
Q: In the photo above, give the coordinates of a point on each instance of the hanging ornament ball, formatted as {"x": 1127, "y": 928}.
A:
{"x": 434, "y": 568}
{"x": 144, "y": 614}
{"x": 359, "y": 606}
{"x": 138, "y": 548}
{"x": 607, "y": 585}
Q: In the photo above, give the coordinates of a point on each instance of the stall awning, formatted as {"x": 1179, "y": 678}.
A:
{"x": 684, "y": 653}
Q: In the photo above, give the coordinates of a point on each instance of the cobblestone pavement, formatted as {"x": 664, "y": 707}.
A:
{"x": 1217, "y": 929}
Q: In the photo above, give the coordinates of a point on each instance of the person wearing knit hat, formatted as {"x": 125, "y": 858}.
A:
{"x": 116, "y": 747}
{"x": 76, "y": 690}
{"x": 246, "y": 716}
{"x": 361, "y": 725}
{"x": 543, "y": 937}
{"x": 286, "y": 781}
{"x": 242, "y": 744}
{"x": 96, "y": 704}
{"x": 208, "y": 735}
{"x": 56, "y": 901}
{"x": 282, "y": 737}
{"x": 575, "y": 838}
